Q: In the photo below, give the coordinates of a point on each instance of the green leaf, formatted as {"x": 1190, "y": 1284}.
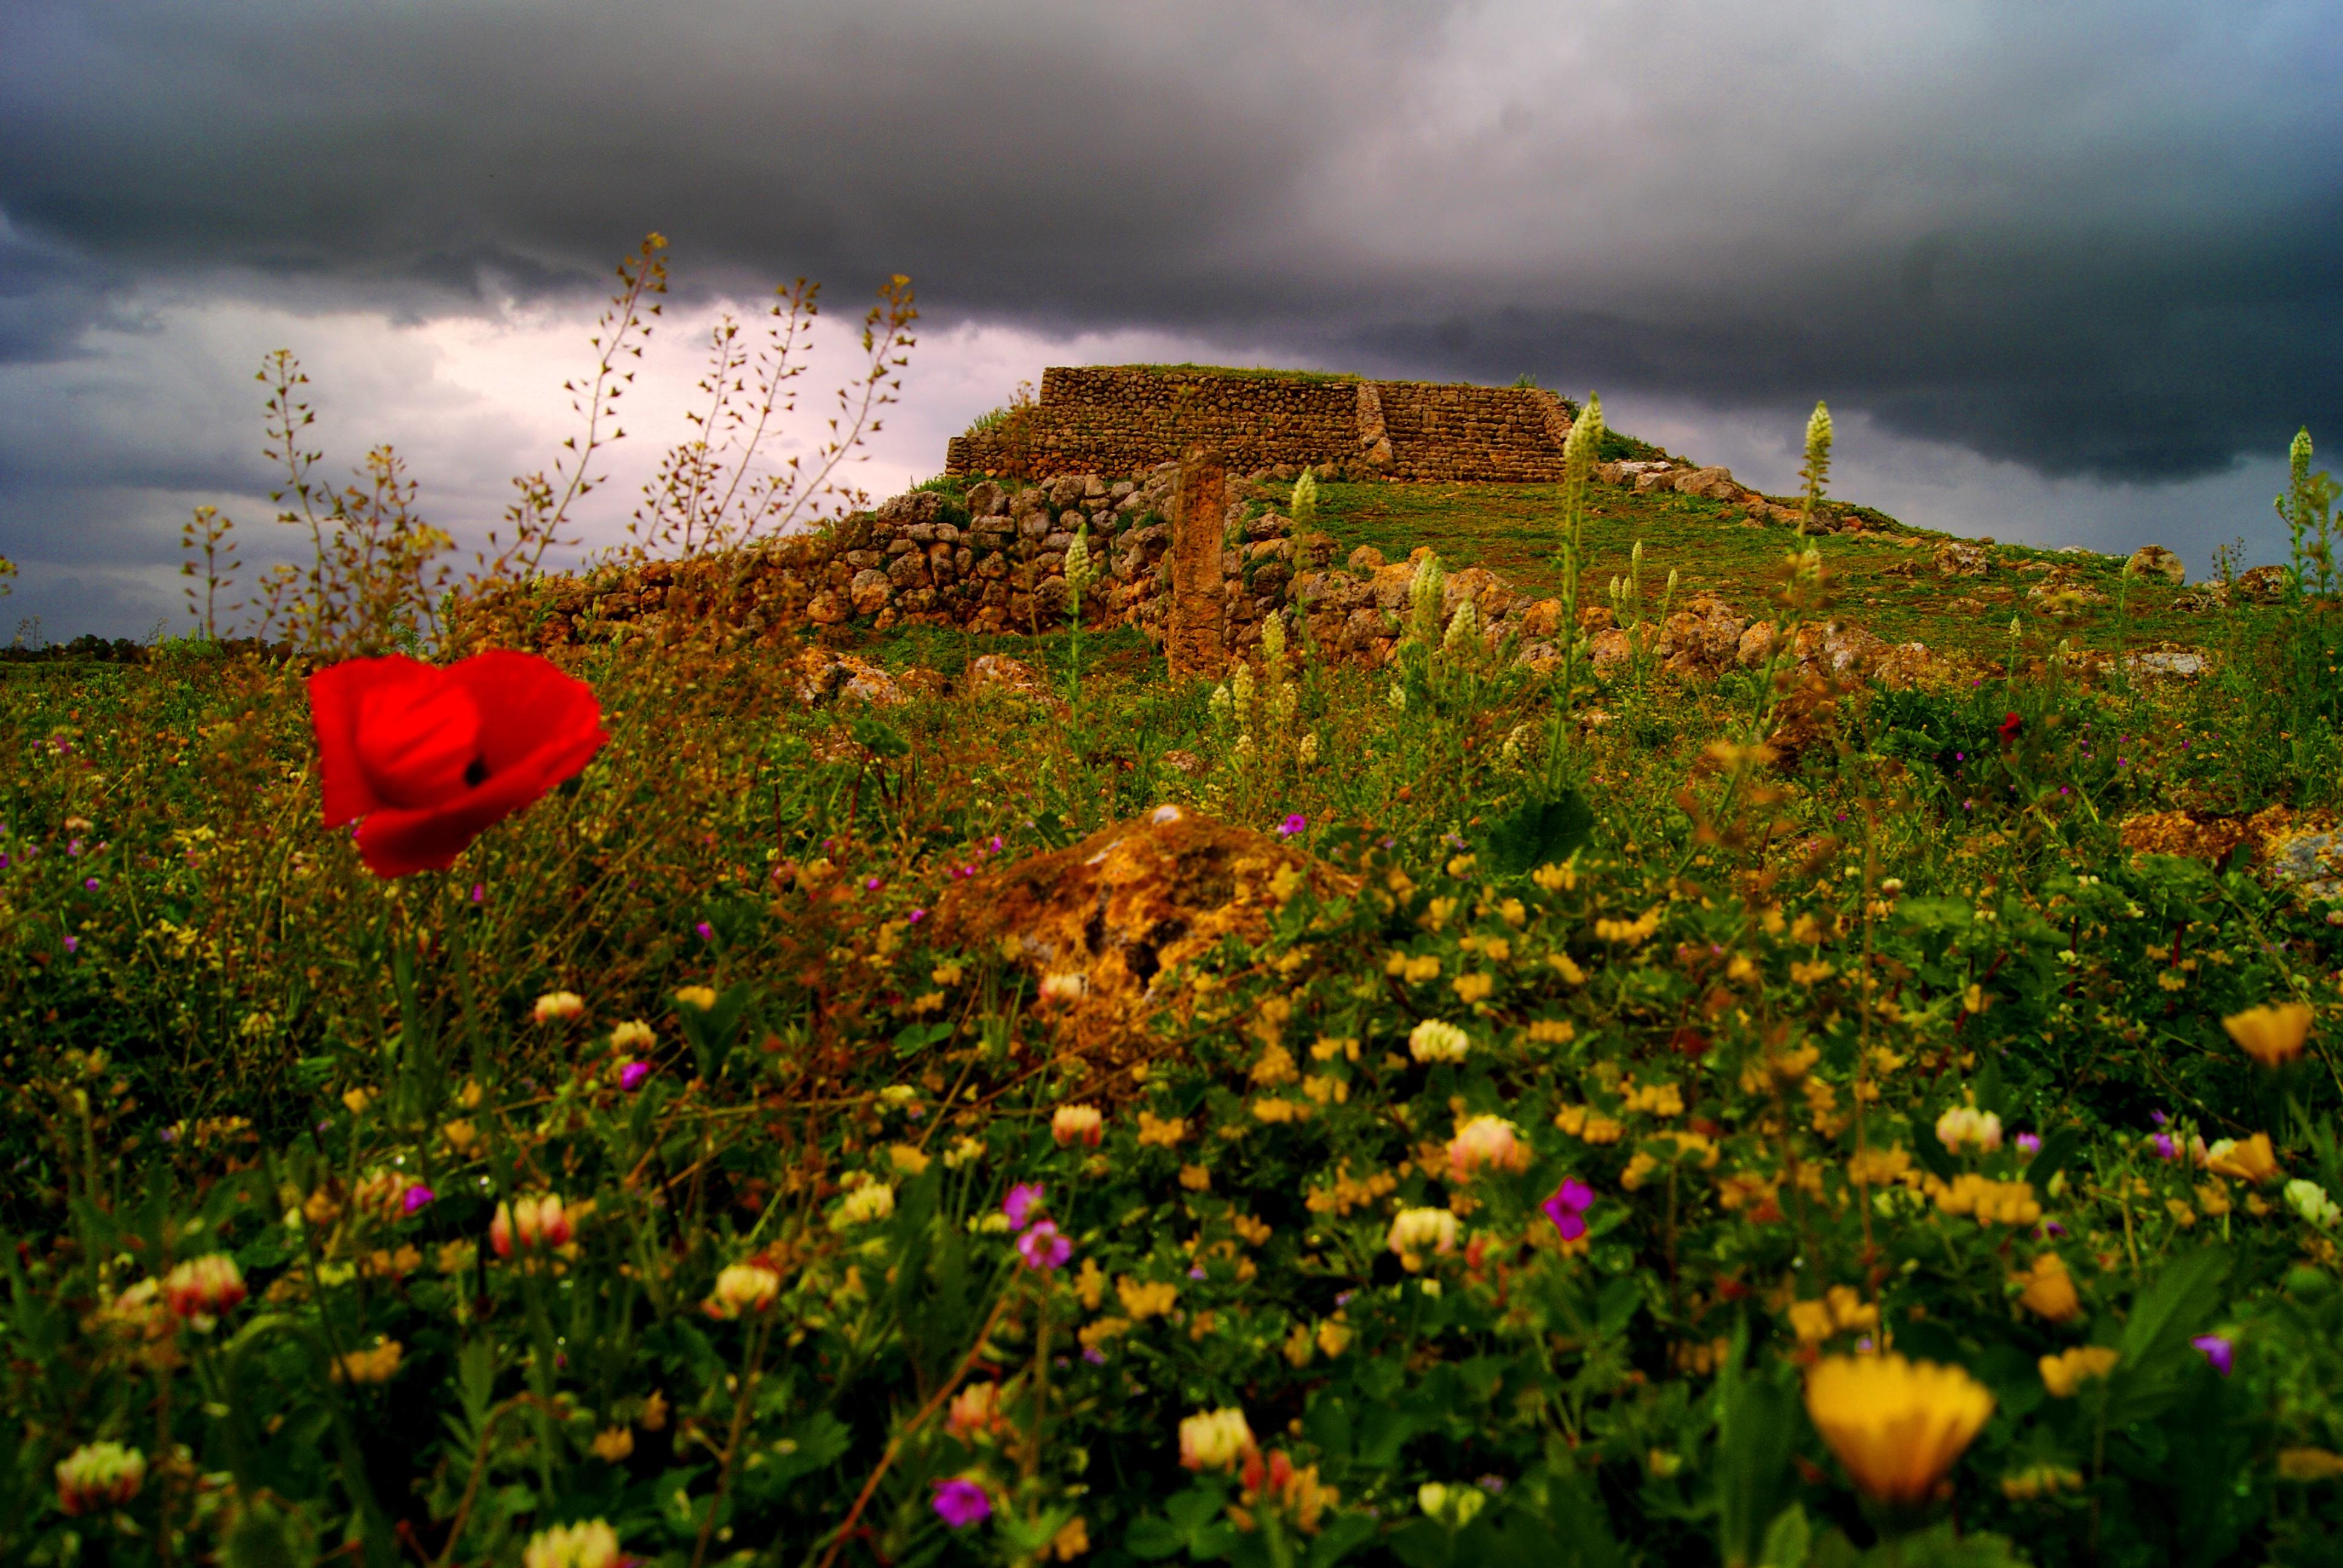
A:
{"x": 2056, "y": 1153}
{"x": 1539, "y": 832}
{"x": 1151, "y": 1539}
{"x": 2183, "y": 1296}
{"x": 1931, "y": 1150}
{"x": 1617, "y": 1305}
{"x": 880, "y": 738}
{"x": 1789, "y": 1540}
{"x": 914, "y": 1038}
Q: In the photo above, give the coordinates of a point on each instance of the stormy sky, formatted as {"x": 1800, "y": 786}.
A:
{"x": 2067, "y": 273}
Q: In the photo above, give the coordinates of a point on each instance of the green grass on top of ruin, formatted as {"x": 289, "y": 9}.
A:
{"x": 1515, "y": 531}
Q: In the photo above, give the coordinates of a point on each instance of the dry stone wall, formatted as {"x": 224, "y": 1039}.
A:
{"x": 1114, "y": 420}
{"x": 996, "y": 565}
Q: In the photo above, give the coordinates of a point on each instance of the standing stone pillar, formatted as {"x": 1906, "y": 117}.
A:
{"x": 1198, "y": 526}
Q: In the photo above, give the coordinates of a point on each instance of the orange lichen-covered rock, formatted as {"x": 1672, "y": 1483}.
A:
{"x": 1103, "y": 923}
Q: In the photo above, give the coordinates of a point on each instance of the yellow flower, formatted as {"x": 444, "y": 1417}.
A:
{"x": 559, "y": 1007}
{"x": 1658, "y": 1099}
{"x": 614, "y": 1443}
{"x": 2062, "y": 1373}
{"x": 633, "y": 1035}
{"x": 1898, "y": 1426}
{"x": 1165, "y": 1131}
{"x": 2272, "y": 1036}
{"x": 1475, "y": 987}
{"x": 2049, "y": 1292}
{"x": 701, "y": 996}
{"x": 1992, "y": 1202}
{"x": 1143, "y": 1300}
{"x": 376, "y": 1365}
{"x": 905, "y": 1158}
{"x": 2251, "y": 1160}
{"x": 2309, "y": 1464}
{"x": 1196, "y": 1178}
{"x": 591, "y": 1544}
{"x": 1879, "y": 1167}
{"x": 1841, "y": 1310}
{"x": 1812, "y": 1321}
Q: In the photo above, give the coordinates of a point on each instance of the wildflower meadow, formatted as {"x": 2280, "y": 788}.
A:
{"x": 470, "y": 1105}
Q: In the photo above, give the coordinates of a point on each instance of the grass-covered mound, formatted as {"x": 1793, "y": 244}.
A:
{"x": 1536, "y": 1186}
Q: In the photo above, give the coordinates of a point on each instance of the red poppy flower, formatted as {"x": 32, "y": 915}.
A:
{"x": 428, "y": 757}
{"x": 2008, "y": 729}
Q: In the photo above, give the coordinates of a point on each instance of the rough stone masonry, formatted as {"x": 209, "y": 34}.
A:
{"x": 1126, "y": 418}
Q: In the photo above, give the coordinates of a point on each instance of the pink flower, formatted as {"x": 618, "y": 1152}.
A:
{"x": 1486, "y": 1142}
{"x": 1044, "y": 1247}
{"x": 533, "y": 1222}
{"x": 417, "y": 1196}
{"x": 1292, "y": 825}
{"x": 631, "y": 1076}
{"x": 1023, "y": 1199}
{"x": 961, "y": 1503}
{"x": 1567, "y": 1208}
{"x": 204, "y": 1287}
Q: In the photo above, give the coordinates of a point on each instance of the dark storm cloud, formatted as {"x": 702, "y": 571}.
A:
{"x": 2097, "y": 239}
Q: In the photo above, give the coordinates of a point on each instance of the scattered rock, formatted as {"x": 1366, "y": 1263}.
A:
{"x": 2301, "y": 851}
{"x": 998, "y": 672}
{"x": 2263, "y": 585}
{"x": 1366, "y": 560}
{"x": 824, "y": 677}
{"x": 2155, "y": 561}
{"x": 1710, "y": 484}
{"x": 1704, "y": 636}
{"x": 2183, "y": 664}
{"x": 1961, "y": 558}
{"x": 1108, "y": 922}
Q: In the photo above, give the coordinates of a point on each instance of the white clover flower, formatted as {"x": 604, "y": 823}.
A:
{"x": 1435, "y": 1040}
{"x": 1214, "y": 1438}
{"x": 1416, "y": 1233}
{"x": 866, "y": 1205}
{"x": 2309, "y": 1199}
{"x": 1966, "y": 1127}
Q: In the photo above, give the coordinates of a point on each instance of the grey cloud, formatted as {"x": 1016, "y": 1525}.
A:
{"x": 2100, "y": 240}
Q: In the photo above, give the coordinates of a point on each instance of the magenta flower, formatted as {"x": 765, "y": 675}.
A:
{"x": 961, "y": 1503}
{"x": 1044, "y": 1247}
{"x": 2164, "y": 1148}
{"x": 73, "y": 944}
{"x": 1567, "y": 1208}
{"x": 1292, "y": 825}
{"x": 707, "y": 932}
{"x": 417, "y": 1196}
{"x": 479, "y": 891}
{"x": 2030, "y": 1143}
{"x": 1022, "y": 1199}
{"x": 2221, "y": 1352}
{"x": 631, "y": 1076}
